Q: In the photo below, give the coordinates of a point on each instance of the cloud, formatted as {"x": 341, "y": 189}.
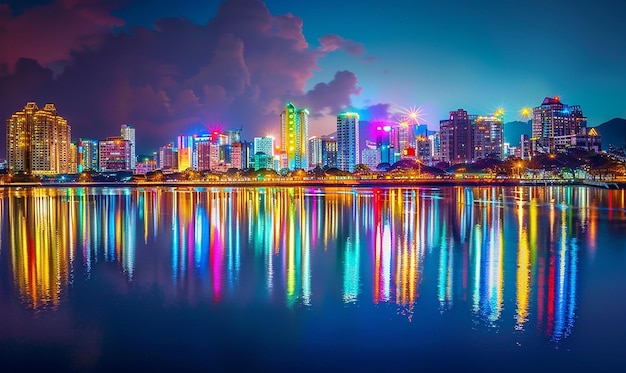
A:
{"x": 237, "y": 70}
{"x": 332, "y": 42}
{"x": 334, "y": 96}
{"x": 48, "y": 33}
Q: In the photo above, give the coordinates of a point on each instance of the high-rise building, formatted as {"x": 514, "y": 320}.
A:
{"x": 554, "y": 119}
{"x": 404, "y": 138}
{"x": 72, "y": 167}
{"x": 294, "y": 137}
{"x": 115, "y": 154}
{"x": 347, "y": 141}
{"x": 329, "y": 156}
{"x": 202, "y": 152}
{"x": 488, "y": 137}
{"x": 128, "y": 133}
{"x": 383, "y": 143}
{"x": 316, "y": 152}
{"x": 237, "y": 153}
{"x": 185, "y": 152}
{"x": 168, "y": 158}
{"x": 87, "y": 155}
{"x": 38, "y": 141}
{"x": 370, "y": 156}
{"x": 423, "y": 150}
{"x": 264, "y": 145}
{"x": 456, "y": 137}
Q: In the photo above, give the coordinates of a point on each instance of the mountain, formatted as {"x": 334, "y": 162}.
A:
{"x": 514, "y": 130}
{"x": 613, "y": 133}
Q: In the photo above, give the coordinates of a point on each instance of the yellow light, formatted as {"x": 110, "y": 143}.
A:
{"x": 525, "y": 112}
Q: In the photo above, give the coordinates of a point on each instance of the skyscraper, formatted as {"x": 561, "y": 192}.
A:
{"x": 554, "y": 119}
{"x": 456, "y": 137}
{"x": 128, "y": 133}
{"x": 347, "y": 141}
{"x": 38, "y": 141}
{"x": 294, "y": 137}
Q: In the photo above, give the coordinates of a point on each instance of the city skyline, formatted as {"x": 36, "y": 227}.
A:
{"x": 319, "y": 62}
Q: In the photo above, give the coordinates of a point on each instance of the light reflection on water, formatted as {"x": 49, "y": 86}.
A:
{"x": 508, "y": 256}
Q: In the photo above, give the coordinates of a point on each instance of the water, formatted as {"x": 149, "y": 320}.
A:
{"x": 524, "y": 278}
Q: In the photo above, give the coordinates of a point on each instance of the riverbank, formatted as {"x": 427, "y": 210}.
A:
{"x": 304, "y": 183}
{"x": 368, "y": 183}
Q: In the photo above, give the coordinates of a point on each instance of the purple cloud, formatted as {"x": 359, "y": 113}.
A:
{"x": 237, "y": 70}
{"x": 332, "y": 42}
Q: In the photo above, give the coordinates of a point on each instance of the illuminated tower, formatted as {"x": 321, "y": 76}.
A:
{"x": 38, "y": 141}
{"x": 128, "y": 133}
{"x": 19, "y": 139}
{"x": 347, "y": 141}
{"x": 294, "y": 137}
{"x": 554, "y": 119}
{"x": 168, "y": 159}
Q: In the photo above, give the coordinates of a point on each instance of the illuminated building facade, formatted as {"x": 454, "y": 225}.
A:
{"x": 294, "y": 137}
{"x": 554, "y": 119}
{"x": 72, "y": 167}
{"x": 114, "y": 153}
{"x": 488, "y": 137}
{"x": 168, "y": 158}
{"x": 128, "y": 133}
{"x": 403, "y": 134}
{"x": 316, "y": 152}
{"x": 370, "y": 156}
{"x": 38, "y": 141}
{"x": 329, "y": 148}
{"x": 264, "y": 145}
{"x": 423, "y": 150}
{"x": 456, "y": 137}
{"x": 347, "y": 141}
{"x": 87, "y": 155}
{"x": 185, "y": 152}
{"x": 383, "y": 143}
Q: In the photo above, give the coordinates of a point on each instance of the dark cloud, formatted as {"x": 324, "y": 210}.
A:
{"x": 333, "y": 96}
{"x": 49, "y": 32}
{"x": 177, "y": 77}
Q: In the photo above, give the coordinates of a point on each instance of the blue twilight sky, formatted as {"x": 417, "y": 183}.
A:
{"x": 437, "y": 55}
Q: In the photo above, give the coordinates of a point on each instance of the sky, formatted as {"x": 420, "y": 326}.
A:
{"x": 184, "y": 67}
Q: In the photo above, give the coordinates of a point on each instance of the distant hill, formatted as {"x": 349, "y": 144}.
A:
{"x": 514, "y": 130}
{"x": 613, "y": 133}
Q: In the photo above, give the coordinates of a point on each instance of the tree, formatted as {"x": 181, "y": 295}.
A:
{"x": 361, "y": 169}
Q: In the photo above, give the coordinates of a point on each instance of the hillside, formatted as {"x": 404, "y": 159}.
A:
{"x": 514, "y": 130}
{"x": 613, "y": 133}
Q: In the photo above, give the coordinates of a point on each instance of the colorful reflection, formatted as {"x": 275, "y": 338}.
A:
{"x": 450, "y": 248}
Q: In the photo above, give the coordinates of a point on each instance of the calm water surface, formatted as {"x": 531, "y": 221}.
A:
{"x": 521, "y": 278}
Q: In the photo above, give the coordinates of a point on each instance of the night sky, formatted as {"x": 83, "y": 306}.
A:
{"x": 182, "y": 67}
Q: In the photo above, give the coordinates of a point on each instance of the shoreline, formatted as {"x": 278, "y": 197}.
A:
{"x": 367, "y": 183}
